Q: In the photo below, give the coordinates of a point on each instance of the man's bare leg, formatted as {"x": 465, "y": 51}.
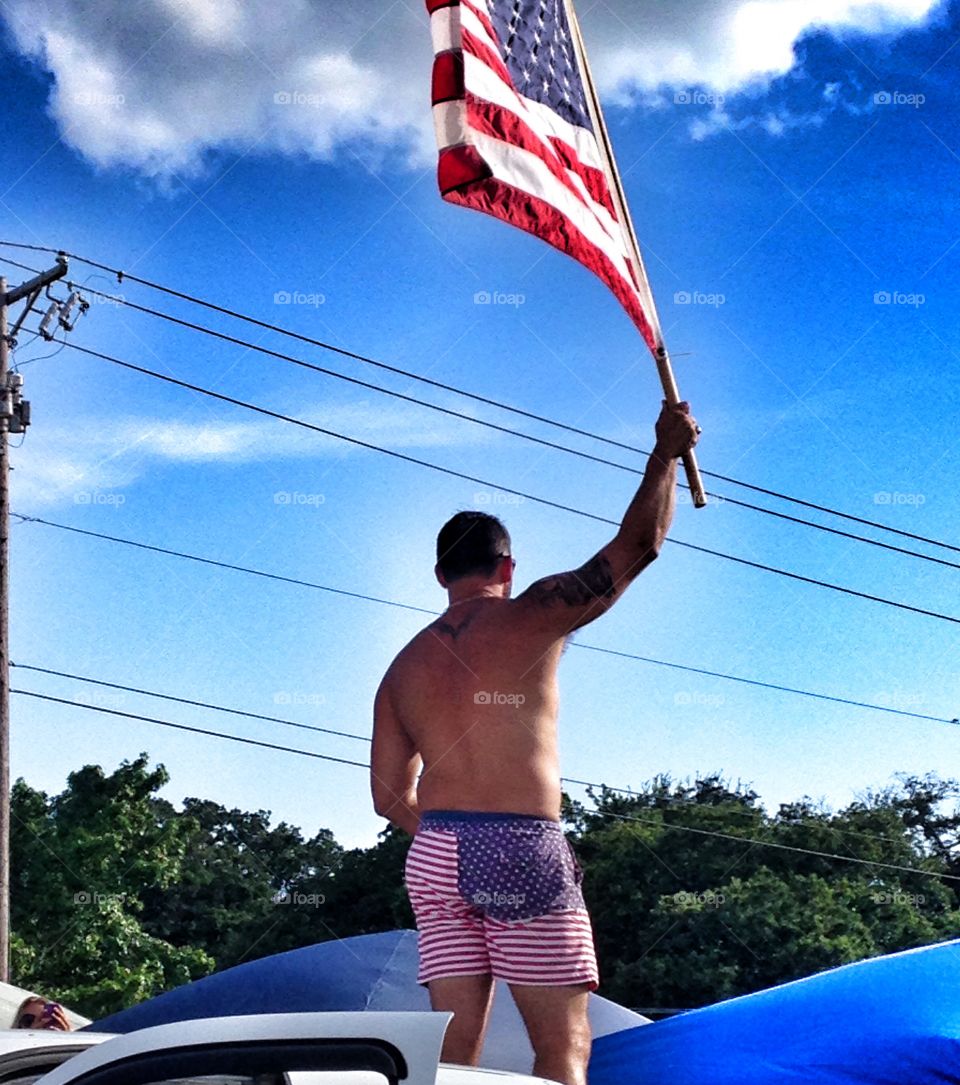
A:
{"x": 468, "y": 998}
{"x": 559, "y": 1030}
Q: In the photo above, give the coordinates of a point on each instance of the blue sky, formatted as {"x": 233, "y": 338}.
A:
{"x": 798, "y": 183}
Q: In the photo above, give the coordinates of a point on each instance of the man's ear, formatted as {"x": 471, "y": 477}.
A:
{"x": 441, "y": 579}
{"x": 505, "y": 572}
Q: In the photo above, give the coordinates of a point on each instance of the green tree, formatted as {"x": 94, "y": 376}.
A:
{"x": 81, "y": 863}
{"x": 698, "y": 894}
{"x": 246, "y": 889}
{"x": 367, "y": 894}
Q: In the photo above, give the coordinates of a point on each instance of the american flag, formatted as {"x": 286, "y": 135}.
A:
{"x": 518, "y": 141}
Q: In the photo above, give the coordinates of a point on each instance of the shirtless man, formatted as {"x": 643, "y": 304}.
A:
{"x": 465, "y": 760}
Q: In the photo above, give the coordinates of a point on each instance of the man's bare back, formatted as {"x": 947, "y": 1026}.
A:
{"x": 470, "y": 704}
{"x": 476, "y": 691}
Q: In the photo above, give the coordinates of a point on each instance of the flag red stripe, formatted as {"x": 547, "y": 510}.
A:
{"x": 447, "y": 85}
{"x": 594, "y": 179}
{"x": 461, "y": 166}
{"x": 536, "y": 216}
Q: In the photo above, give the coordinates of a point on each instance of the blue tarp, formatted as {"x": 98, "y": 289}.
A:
{"x": 888, "y": 1021}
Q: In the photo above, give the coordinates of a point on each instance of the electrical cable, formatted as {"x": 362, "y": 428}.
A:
{"x": 222, "y": 397}
{"x": 119, "y": 274}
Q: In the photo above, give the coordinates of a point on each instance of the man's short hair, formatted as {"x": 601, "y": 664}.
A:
{"x": 471, "y": 543}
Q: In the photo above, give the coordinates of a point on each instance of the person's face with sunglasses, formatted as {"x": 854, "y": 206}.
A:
{"x": 38, "y": 1014}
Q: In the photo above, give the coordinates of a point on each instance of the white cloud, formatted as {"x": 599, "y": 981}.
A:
{"x": 109, "y": 457}
{"x": 159, "y": 84}
{"x": 728, "y": 46}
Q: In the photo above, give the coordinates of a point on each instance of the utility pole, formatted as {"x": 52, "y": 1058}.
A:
{"x": 14, "y": 417}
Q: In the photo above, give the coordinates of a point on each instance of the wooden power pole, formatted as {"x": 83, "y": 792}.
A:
{"x": 12, "y": 419}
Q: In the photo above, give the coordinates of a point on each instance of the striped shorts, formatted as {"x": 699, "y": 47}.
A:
{"x": 499, "y": 894}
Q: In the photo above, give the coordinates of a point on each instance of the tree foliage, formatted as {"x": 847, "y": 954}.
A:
{"x": 82, "y": 863}
{"x": 698, "y": 894}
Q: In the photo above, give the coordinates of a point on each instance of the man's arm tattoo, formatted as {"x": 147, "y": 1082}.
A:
{"x": 588, "y": 584}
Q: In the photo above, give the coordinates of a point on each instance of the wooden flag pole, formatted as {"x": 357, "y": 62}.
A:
{"x": 662, "y": 358}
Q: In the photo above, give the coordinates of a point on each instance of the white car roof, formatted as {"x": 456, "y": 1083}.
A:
{"x": 28, "y": 1053}
{"x": 417, "y": 1035}
{"x": 24, "y": 1039}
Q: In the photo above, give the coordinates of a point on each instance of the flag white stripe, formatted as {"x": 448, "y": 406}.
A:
{"x": 527, "y": 172}
{"x": 445, "y": 29}
{"x": 450, "y": 124}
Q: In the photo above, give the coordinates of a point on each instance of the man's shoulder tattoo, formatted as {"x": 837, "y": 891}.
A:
{"x": 441, "y": 625}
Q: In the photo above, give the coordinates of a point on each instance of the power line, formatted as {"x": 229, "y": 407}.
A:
{"x": 119, "y": 274}
{"x": 771, "y": 685}
{"x": 504, "y": 489}
{"x": 188, "y": 701}
{"x": 623, "y": 817}
{"x": 219, "y": 564}
{"x": 432, "y": 613}
{"x": 630, "y": 792}
{"x": 542, "y": 442}
{"x": 192, "y": 730}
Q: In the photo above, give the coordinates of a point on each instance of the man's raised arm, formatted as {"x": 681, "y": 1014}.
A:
{"x": 567, "y": 601}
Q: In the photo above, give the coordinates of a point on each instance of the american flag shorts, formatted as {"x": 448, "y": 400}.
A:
{"x": 499, "y": 894}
